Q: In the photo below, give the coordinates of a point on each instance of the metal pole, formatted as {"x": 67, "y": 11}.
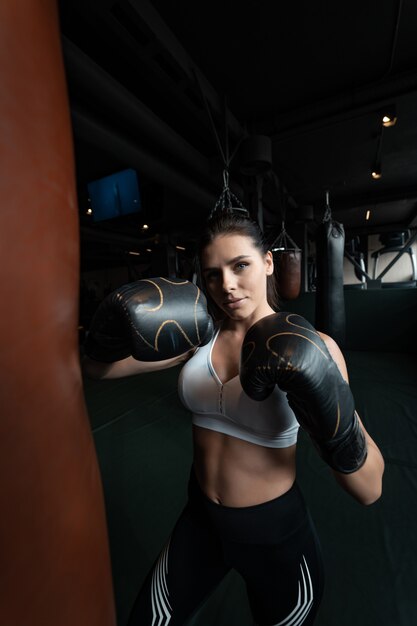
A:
{"x": 356, "y": 264}
{"x": 401, "y": 252}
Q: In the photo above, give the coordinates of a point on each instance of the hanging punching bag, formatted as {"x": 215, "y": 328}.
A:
{"x": 55, "y": 565}
{"x": 287, "y": 255}
{"x": 330, "y": 301}
{"x": 287, "y": 260}
{"x": 288, "y": 273}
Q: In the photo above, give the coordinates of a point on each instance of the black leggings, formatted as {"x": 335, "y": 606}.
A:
{"x": 272, "y": 545}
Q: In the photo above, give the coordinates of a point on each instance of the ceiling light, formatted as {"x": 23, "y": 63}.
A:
{"x": 148, "y": 250}
{"x": 368, "y": 214}
{"x": 377, "y": 171}
{"x": 389, "y": 115}
{"x": 145, "y": 227}
{"x": 389, "y": 120}
{"x": 89, "y": 210}
{"x": 134, "y": 253}
{"x": 180, "y": 248}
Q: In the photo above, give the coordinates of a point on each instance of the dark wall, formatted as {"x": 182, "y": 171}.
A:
{"x": 382, "y": 320}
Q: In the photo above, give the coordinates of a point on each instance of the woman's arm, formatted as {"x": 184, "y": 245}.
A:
{"x": 365, "y": 485}
{"x": 129, "y": 366}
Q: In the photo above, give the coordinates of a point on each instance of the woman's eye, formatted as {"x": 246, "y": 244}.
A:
{"x": 241, "y": 266}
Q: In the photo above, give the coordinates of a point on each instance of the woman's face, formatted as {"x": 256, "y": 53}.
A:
{"x": 235, "y": 272}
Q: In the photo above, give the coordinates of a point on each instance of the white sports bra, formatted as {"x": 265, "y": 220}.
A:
{"x": 226, "y": 408}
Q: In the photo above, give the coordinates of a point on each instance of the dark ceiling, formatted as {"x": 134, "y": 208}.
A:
{"x": 316, "y": 77}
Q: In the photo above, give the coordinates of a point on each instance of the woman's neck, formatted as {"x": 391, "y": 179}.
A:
{"x": 242, "y": 326}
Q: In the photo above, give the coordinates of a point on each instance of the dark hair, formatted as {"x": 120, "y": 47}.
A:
{"x": 229, "y": 223}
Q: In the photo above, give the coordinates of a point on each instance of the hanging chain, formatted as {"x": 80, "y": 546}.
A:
{"x": 284, "y": 241}
{"x": 327, "y": 212}
{"x": 227, "y": 201}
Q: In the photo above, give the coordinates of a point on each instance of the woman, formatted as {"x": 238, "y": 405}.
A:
{"x": 245, "y": 509}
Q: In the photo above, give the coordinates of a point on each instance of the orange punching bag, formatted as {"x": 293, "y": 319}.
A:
{"x": 54, "y": 563}
{"x": 287, "y": 258}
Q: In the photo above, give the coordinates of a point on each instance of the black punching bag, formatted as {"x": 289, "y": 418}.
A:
{"x": 330, "y": 301}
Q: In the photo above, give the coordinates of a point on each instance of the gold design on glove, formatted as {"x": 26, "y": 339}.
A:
{"x": 161, "y": 295}
{"x": 295, "y": 335}
{"x": 180, "y": 329}
{"x": 338, "y": 420}
{"x": 251, "y": 352}
{"x": 170, "y": 321}
{"x": 287, "y": 319}
{"x": 184, "y": 282}
{"x": 298, "y": 325}
{"x": 327, "y": 356}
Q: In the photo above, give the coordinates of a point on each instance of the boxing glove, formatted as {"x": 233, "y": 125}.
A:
{"x": 284, "y": 349}
{"x": 150, "y": 319}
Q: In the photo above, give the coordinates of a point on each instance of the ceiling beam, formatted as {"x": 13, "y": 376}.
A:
{"x": 175, "y": 49}
{"x": 94, "y": 82}
{"x": 108, "y": 140}
{"x": 375, "y": 230}
{"x": 355, "y": 201}
{"x": 349, "y": 105}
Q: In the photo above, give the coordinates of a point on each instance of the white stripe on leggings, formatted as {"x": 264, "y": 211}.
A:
{"x": 304, "y": 602}
{"x": 161, "y": 608}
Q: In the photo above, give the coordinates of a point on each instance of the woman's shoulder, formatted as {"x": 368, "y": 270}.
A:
{"x": 335, "y": 353}
{"x": 331, "y": 345}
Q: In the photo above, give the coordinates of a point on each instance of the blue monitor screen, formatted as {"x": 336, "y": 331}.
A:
{"x": 114, "y": 195}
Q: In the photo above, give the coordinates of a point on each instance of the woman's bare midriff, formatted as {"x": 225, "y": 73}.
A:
{"x": 237, "y": 473}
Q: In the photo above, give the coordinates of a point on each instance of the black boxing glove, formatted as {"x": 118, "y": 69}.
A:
{"x": 284, "y": 349}
{"x": 151, "y": 319}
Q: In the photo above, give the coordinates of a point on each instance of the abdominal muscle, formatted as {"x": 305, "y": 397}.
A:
{"x": 237, "y": 473}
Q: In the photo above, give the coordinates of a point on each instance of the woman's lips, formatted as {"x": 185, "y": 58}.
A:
{"x": 234, "y": 304}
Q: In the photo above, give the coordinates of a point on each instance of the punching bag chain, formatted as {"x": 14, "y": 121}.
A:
{"x": 224, "y": 202}
{"x": 226, "y": 158}
{"x": 327, "y": 211}
{"x": 283, "y": 241}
